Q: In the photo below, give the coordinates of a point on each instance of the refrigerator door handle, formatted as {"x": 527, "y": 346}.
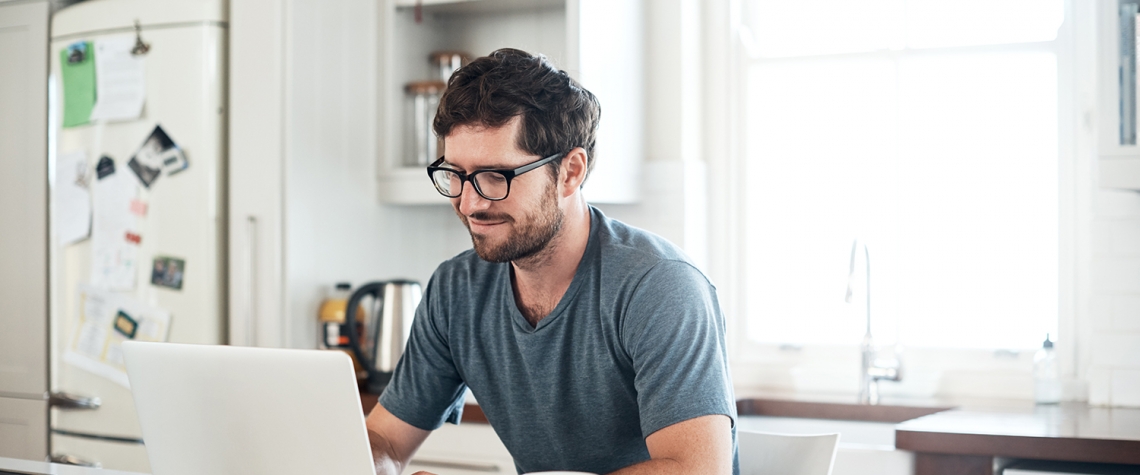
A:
{"x": 73, "y": 460}
{"x": 62, "y": 400}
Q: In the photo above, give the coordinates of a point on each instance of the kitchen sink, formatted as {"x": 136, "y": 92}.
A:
{"x": 866, "y": 432}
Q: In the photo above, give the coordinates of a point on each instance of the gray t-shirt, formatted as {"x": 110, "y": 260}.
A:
{"x": 636, "y": 344}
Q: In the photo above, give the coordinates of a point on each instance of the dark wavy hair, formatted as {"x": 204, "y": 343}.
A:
{"x": 558, "y": 114}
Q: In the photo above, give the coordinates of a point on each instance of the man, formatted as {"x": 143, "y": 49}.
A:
{"x": 590, "y": 345}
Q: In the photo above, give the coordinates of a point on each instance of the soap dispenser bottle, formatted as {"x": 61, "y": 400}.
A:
{"x": 1046, "y": 377}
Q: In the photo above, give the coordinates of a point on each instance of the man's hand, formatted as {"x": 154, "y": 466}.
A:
{"x": 393, "y": 441}
{"x": 701, "y": 445}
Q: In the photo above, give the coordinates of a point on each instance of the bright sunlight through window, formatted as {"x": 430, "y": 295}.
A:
{"x": 927, "y": 129}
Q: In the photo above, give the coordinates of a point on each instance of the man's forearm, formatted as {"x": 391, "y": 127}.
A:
{"x": 384, "y": 456}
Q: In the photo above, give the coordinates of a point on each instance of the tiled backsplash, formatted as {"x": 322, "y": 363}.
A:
{"x": 1111, "y": 356}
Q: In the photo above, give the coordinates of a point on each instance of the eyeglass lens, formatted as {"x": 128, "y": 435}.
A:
{"x": 490, "y": 184}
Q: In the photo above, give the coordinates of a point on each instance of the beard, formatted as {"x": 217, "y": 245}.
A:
{"x": 527, "y": 238}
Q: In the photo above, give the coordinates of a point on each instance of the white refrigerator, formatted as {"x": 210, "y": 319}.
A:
{"x": 168, "y": 280}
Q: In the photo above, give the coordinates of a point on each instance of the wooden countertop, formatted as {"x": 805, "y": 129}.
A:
{"x": 1069, "y": 432}
{"x": 840, "y": 409}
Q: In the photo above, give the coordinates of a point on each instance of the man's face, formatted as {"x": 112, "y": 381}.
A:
{"x": 526, "y": 221}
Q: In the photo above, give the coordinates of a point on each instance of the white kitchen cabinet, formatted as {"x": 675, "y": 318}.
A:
{"x": 303, "y": 212}
{"x": 464, "y": 449}
{"x": 23, "y": 428}
{"x": 598, "y": 42}
{"x": 23, "y": 242}
{"x": 1119, "y": 164}
{"x": 256, "y": 171}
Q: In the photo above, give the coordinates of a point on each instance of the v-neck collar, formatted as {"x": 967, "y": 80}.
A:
{"x": 567, "y": 297}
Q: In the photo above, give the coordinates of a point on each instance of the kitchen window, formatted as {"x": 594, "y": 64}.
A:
{"x": 930, "y": 131}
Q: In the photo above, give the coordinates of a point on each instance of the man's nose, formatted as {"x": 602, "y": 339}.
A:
{"x": 471, "y": 201}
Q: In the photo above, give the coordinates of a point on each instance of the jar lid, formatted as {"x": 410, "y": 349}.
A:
{"x": 425, "y": 87}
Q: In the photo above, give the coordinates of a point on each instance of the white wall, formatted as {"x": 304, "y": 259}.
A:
{"x": 336, "y": 228}
{"x": 674, "y": 182}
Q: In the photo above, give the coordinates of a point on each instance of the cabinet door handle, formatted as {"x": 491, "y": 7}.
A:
{"x": 64, "y": 400}
{"x": 67, "y": 459}
{"x": 458, "y": 464}
{"x": 251, "y": 267}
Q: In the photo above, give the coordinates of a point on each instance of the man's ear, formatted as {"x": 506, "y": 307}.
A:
{"x": 573, "y": 172}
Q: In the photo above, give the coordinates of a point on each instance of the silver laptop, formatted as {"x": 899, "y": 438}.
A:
{"x": 227, "y": 410}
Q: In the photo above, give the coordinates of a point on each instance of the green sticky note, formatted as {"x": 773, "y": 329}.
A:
{"x": 77, "y": 63}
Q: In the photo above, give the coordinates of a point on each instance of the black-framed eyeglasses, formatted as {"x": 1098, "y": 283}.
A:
{"x": 491, "y": 184}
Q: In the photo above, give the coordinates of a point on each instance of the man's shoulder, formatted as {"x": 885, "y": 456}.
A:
{"x": 630, "y": 254}
{"x": 625, "y": 246}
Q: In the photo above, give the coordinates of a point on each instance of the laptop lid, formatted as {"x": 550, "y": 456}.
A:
{"x": 222, "y": 410}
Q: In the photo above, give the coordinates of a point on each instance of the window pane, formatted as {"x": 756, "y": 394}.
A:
{"x": 782, "y": 28}
{"x": 797, "y": 28}
{"x": 979, "y": 218}
{"x": 822, "y": 137}
{"x": 938, "y": 23}
{"x": 945, "y": 164}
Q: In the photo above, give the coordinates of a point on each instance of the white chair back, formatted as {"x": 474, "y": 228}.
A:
{"x": 781, "y": 454}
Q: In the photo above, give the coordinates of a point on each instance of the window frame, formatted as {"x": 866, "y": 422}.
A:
{"x": 964, "y": 372}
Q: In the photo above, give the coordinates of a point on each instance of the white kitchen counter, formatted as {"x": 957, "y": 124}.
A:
{"x": 31, "y": 467}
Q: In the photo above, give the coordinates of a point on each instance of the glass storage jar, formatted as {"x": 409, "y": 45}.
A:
{"x": 422, "y": 101}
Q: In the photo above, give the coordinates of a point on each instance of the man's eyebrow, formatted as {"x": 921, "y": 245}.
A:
{"x": 493, "y": 166}
{"x": 447, "y": 164}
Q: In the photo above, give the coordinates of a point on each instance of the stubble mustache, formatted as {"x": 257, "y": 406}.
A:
{"x": 487, "y": 216}
{"x": 482, "y": 216}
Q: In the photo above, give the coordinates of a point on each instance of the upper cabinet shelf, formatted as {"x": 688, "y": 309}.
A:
{"x": 598, "y": 42}
{"x": 477, "y": 6}
{"x": 1119, "y": 165}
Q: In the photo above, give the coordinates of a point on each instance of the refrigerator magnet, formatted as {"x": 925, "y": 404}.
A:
{"x": 174, "y": 161}
{"x": 167, "y": 272}
{"x": 138, "y": 207}
{"x": 105, "y": 166}
{"x": 126, "y": 325}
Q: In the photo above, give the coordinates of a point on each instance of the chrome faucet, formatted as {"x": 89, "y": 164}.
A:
{"x": 873, "y": 369}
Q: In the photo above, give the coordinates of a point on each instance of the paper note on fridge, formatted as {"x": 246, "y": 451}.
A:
{"x": 104, "y": 320}
{"x": 115, "y": 237}
{"x": 77, "y": 68}
{"x": 120, "y": 80}
{"x": 73, "y": 199}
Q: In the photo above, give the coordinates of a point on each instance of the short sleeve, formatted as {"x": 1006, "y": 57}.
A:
{"x": 426, "y": 389}
{"x": 674, "y": 333}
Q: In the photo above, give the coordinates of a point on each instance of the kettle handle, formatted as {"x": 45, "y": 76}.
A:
{"x": 373, "y": 288}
